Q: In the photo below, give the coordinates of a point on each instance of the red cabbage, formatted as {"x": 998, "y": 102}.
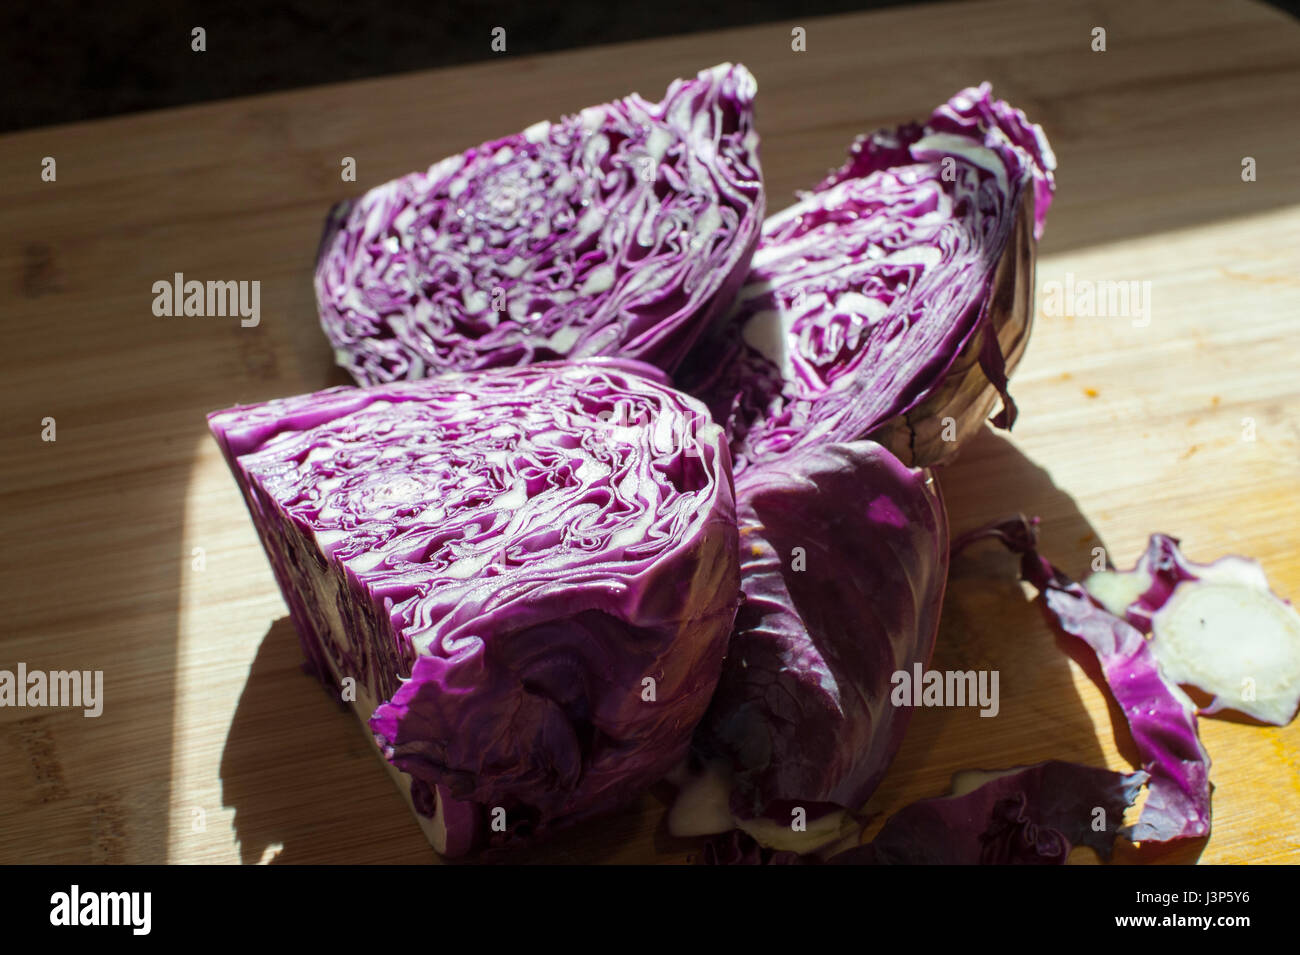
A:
{"x": 1030, "y": 816}
{"x": 844, "y": 555}
{"x": 530, "y": 574}
{"x": 888, "y": 303}
{"x": 623, "y": 230}
{"x": 1160, "y": 716}
{"x": 892, "y": 301}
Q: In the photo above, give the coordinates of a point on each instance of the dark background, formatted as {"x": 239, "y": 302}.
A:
{"x": 64, "y": 60}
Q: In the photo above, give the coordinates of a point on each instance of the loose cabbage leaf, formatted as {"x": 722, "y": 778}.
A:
{"x": 1034, "y": 815}
{"x": 843, "y": 562}
{"x": 1030, "y": 816}
{"x": 892, "y": 301}
{"x": 623, "y": 230}
{"x": 1161, "y": 717}
{"x": 529, "y": 574}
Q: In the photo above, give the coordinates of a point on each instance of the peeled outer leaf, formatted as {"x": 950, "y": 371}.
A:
{"x": 1029, "y": 816}
{"x": 1161, "y": 717}
{"x": 1217, "y": 627}
{"x": 624, "y": 230}
{"x": 844, "y": 555}
{"x": 892, "y": 302}
{"x": 530, "y": 574}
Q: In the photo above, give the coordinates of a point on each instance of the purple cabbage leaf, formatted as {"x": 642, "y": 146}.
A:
{"x": 1161, "y": 717}
{"x": 843, "y": 559}
{"x": 1029, "y": 816}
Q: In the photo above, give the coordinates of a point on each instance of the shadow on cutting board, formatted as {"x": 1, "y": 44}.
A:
{"x": 991, "y": 622}
{"x": 306, "y": 787}
{"x": 301, "y": 777}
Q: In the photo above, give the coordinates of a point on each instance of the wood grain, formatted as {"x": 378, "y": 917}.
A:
{"x": 213, "y": 747}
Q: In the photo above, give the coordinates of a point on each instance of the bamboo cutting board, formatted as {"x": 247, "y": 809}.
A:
{"x": 128, "y": 550}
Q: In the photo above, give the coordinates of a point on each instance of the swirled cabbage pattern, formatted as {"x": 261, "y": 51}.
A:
{"x": 892, "y": 301}
{"x": 531, "y": 572}
{"x": 623, "y": 230}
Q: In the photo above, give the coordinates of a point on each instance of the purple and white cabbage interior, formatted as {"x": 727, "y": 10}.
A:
{"x": 623, "y": 230}
{"x": 892, "y": 301}
{"x": 527, "y": 564}
{"x": 528, "y": 574}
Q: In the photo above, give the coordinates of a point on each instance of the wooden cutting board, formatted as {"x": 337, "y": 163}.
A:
{"x": 128, "y": 550}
